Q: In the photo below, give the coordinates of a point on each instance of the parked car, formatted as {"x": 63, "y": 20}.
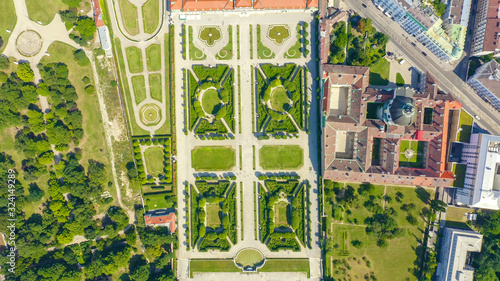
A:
{"x": 364, "y": 6}
{"x": 424, "y": 53}
{"x": 413, "y": 44}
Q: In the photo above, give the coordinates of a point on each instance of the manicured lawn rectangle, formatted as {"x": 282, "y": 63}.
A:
{"x": 153, "y": 57}
{"x": 155, "y": 86}
{"x": 212, "y": 266}
{"x": 417, "y": 160}
{"x": 379, "y": 73}
{"x": 465, "y": 124}
{"x": 151, "y": 15}
{"x": 8, "y": 20}
{"x": 281, "y": 157}
{"x": 129, "y": 16}
{"x": 280, "y": 213}
{"x": 371, "y": 109}
{"x": 153, "y": 201}
{"x": 153, "y": 157}
{"x": 456, "y": 217}
{"x": 400, "y": 81}
{"x": 213, "y": 158}
{"x": 459, "y": 172}
{"x": 134, "y": 58}
{"x": 43, "y": 11}
{"x": 286, "y": 265}
{"x": 213, "y": 220}
{"x": 376, "y": 151}
{"x": 139, "y": 86}
{"x": 428, "y": 112}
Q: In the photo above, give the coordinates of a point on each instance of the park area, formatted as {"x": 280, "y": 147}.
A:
{"x": 271, "y": 265}
{"x": 249, "y": 257}
{"x": 213, "y": 158}
{"x": 213, "y": 220}
{"x": 457, "y": 217}
{"x": 464, "y": 126}
{"x": 352, "y": 252}
{"x": 153, "y": 156}
{"x": 281, "y": 157}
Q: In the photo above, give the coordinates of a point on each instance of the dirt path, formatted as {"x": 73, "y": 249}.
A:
{"x": 108, "y": 129}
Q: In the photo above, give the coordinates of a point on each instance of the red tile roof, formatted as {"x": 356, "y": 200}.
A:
{"x": 97, "y": 13}
{"x": 215, "y": 5}
{"x": 492, "y": 32}
{"x": 161, "y": 220}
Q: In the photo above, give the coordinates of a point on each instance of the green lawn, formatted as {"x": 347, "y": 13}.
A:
{"x": 456, "y": 217}
{"x": 397, "y": 261}
{"x": 153, "y": 201}
{"x": 281, "y": 157}
{"x": 129, "y": 16}
{"x": 278, "y": 33}
{"x": 465, "y": 123}
{"x": 150, "y": 114}
{"x": 226, "y": 53}
{"x": 459, "y": 172}
{"x": 155, "y": 86}
{"x": 151, "y": 15}
{"x": 210, "y": 35}
{"x": 400, "y": 81}
{"x": 212, "y": 266}
{"x": 428, "y": 112}
{"x": 134, "y": 58}
{"x": 295, "y": 51}
{"x": 153, "y": 157}
{"x": 8, "y": 20}
{"x": 358, "y": 213}
{"x": 279, "y": 99}
{"x": 153, "y": 57}
{"x": 248, "y": 257}
{"x": 281, "y": 214}
{"x": 417, "y": 160}
{"x": 263, "y": 52}
{"x": 139, "y": 86}
{"x": 286, "y": 265}
{"x": 213, "y": 220}
{"x": 211, "y": 102}
{"x": 379, "y": 73}
{"x": 43, "y": 11}
{"x": 194, "y": 52}
{"x": 213, "y": 158}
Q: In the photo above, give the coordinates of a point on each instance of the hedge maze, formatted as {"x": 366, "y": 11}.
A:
{"x": 211, "y": 101}
{"x": 282, "y": 214}
{"x": 280, "y": 99}
{"x": 213, "y": 214}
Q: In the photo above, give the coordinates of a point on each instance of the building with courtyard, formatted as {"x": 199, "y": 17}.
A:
{"x": 486, "y": 37}
{"x": 161, "y": 218}
{"x": 222, "y": 5}
{"x": 456, "y": 246}
{"x": 482, "y": 178}
{"x": 486, "y": 82}
{"x": 396, "y": 136}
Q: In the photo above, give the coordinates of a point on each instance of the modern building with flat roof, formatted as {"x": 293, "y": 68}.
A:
{"x": 482, "y": 179}
{"x": 454, "y": 255}
{"x": 395, "y": 136}
{"x": 486, "y": 37}
{"x": 486, "y": 82}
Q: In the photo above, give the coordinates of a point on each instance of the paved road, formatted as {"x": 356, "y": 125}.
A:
{"x": 448, "y": 80}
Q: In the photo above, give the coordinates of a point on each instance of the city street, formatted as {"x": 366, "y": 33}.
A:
{"x": 442, "y": 72}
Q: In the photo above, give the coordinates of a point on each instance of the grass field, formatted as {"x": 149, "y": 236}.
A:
{"x": 281, "y": 157}
{"x": 398, "y": 260}
{"x": 263, "y": 52}
{"x": 281, "y": 214}
{"x": 379, "y": 73}
{"x": 210, "y": 35}
{"x": 93, "y": 143}
{"x": 213, "y": 158}
{"x": 249, "y": 257}
{"x": 134, "y": 58}
{"x": 417, "y": 160}
{"x": 400, "y": 81}
{"x": 43, "y": 11}
{"x": 155, "y": 86}
{"x": 8, "y": 20}
{"x": 358, "y": 213}
{"x": 153, "y": 201}
{"x": 212, "y": 266}
{"x": 279, "y": 99}
{"x": 213, "y": 220}
{"x": 153, "y": 157}
{"x": 456, "y": 217}
{"x": 226, "y": 53}
{"x": 151, "y": 15}
{"x": 278, "y": 33}
{"x": 153, "y": 57}
{"x": 134, "y": 127}
{"x": 428, "y": 112}
{"x": 459, "y": 171}
{"x": 129, "y": 16}
{"x": 286, "y": 265}
{"x": 211, "y": 102}
{"x": 139, "y": 86}
{"x": 465, "y": 123}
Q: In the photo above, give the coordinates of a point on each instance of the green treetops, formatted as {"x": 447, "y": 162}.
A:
{"x": 25, "y": 72}
{"x": 86, "y": 27}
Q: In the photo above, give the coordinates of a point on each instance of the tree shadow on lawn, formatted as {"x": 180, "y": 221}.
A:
{"x": 377, "y": 80}
{"x": 423, "y": 195}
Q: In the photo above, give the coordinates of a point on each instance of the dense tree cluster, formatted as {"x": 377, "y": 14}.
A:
{"x": 487, "y": 262}
{"x": 365, "y": 45}
{"x": 338, "y": 43}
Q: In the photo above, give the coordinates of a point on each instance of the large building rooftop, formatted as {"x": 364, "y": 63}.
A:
{"x": 219, "y": 5}
{"x": 395, "y": 136}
